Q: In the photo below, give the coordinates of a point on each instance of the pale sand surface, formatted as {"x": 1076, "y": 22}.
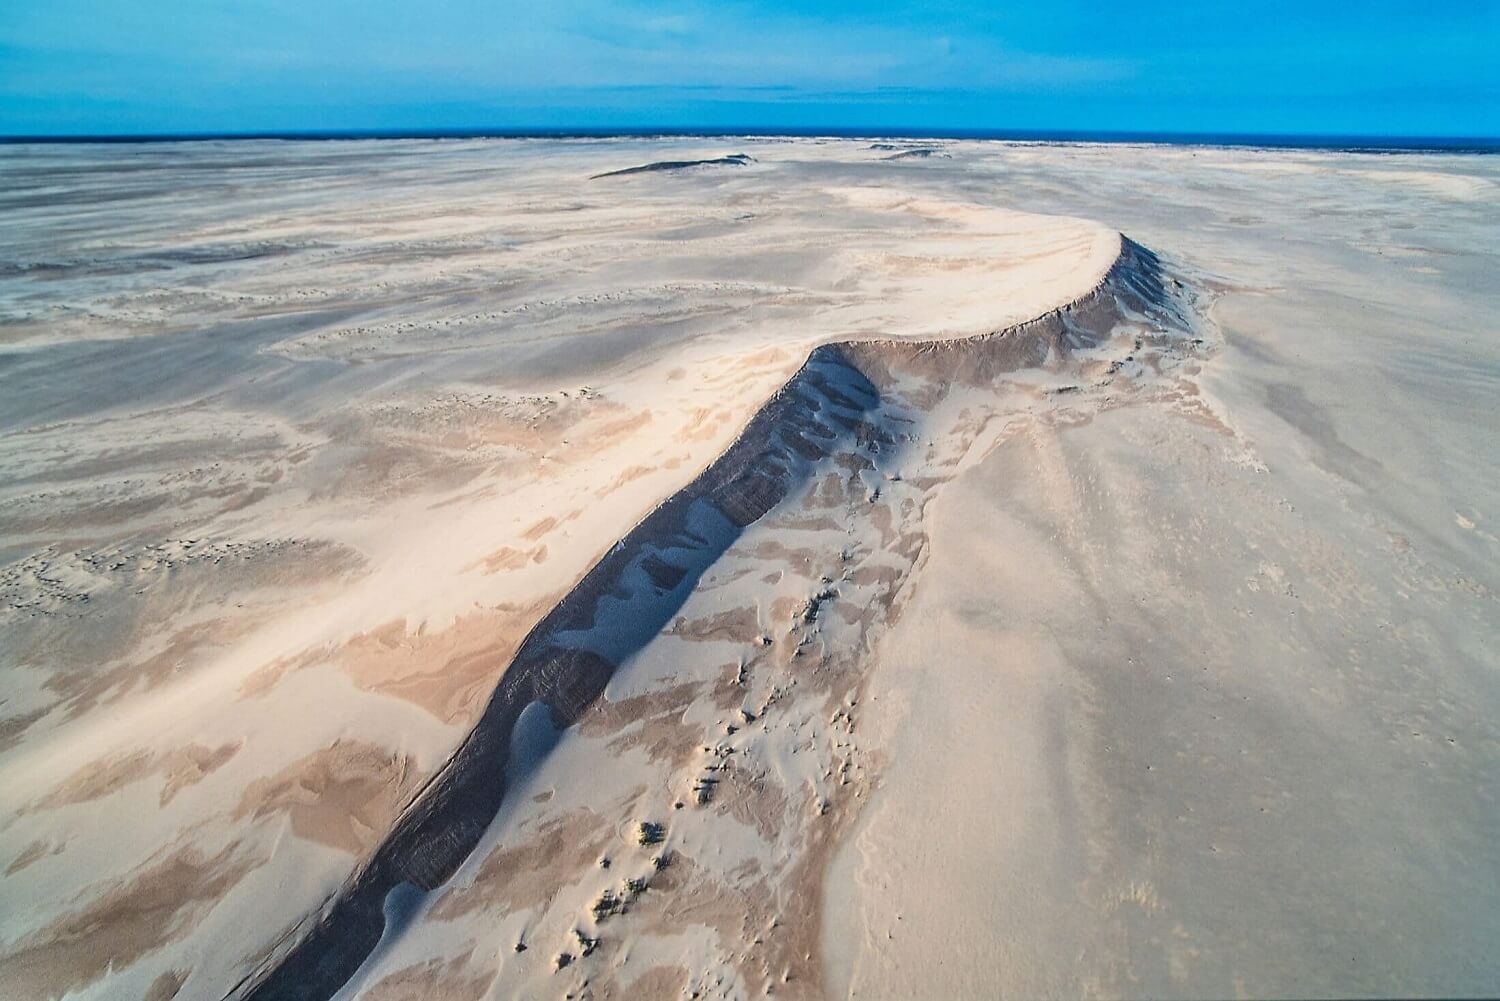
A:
{"x": 1197, "y": 710}
{"x": 1146, "y": 650}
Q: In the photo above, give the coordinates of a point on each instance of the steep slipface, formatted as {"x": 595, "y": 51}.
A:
{"x": 699, "y": 684}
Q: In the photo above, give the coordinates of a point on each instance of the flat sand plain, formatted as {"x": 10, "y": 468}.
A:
{"x": 431, "y": 569}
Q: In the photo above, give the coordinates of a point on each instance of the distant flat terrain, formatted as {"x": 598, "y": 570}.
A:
{"x": 712, "y": 568}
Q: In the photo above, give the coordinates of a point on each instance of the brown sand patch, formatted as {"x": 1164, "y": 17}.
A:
{"x": 34, "y": 852}
{"x": 737, "y": 625}
{"x": 262, "y": 680}
{"x": 703, "y": 425}
{"x": 98, "y": 779}
{"x": 510, "y": 558}
{"x": 729, "y": 689}
{"x": 883, "y": 519}
{"x": 540, "y": 529}
{"x": 188, "y": 765}
{"x": 772, "y": 549}
{"x": 662, "y": 734}
{"x": 785, "y": 609}
{"x": 659, "y": 982}
{"x": 524, "y": 875}
{"x": 830, "y": 491}
{"x": 869, "y": 574}
{"x": 449, "y": 979}
{"x": 687, "y": 895}
{"x": 82, "y": 690}
{"x": 606, "y": 717}
{"x": 385, "y": 468}
{"x": 769, "y": 921}
{"x": 753, "y": 800}
{"x": 167, "y": 986}
{"x": 794, "y": 522}
{"x": 629, "y": 474}
{"x": 722, "y": 580}
{"x": 531, "y": 426}
{"x": 157, "y": 906}
{"x": 345, "y": 796}
{"x": 505, "y": 558}
{"x": 610, "y": 432}
{"x": 792, "y": 954}
{"x": 13, "y": 728}
{"x": 853, "y": 614}
{"x": 664, "y": 739}
{"x": 760, "y": 359}
{"x": 448, "y": 673}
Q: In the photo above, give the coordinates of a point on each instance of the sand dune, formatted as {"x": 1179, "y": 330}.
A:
{"x": 832, "y": 415}
{"x": 732, "y": 160}
{"x": 427, "y": 573}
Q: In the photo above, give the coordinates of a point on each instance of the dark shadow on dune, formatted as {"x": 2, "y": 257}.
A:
{"x": 732, "y": 160}
{"x": 921, "y": 153}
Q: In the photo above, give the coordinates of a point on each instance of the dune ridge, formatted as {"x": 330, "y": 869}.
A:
{"x": 631, "y": 594}
{"x": 732, "y": 160}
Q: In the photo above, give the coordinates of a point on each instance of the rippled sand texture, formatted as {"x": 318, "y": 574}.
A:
{"x": 432, "y": 569}
{"x": 300, "y": 441}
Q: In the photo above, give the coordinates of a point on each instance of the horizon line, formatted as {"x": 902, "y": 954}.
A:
{"x": 1342, "y": 141}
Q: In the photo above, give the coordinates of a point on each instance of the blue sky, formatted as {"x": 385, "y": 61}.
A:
{"x": 1377, "y": 67}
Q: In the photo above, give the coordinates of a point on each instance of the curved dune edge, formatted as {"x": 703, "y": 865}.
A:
{"x": 632, "y": 592}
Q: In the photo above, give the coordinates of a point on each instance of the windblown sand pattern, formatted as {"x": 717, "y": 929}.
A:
{"x": 451, "y": 569}
{"x": 856, "y": 444}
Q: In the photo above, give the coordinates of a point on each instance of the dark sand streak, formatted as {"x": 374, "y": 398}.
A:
{"x": 732, "y": 160}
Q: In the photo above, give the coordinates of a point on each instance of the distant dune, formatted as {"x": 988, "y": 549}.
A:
{"x": 920, "y": 153}
{"x": 732, "y": 160}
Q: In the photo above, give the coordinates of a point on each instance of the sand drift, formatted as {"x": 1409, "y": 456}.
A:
{"x": 856, "y": 404}
{"x": 429, "y": 574}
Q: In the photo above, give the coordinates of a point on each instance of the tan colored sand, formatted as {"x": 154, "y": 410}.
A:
{"x": 1118, "y": 645}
